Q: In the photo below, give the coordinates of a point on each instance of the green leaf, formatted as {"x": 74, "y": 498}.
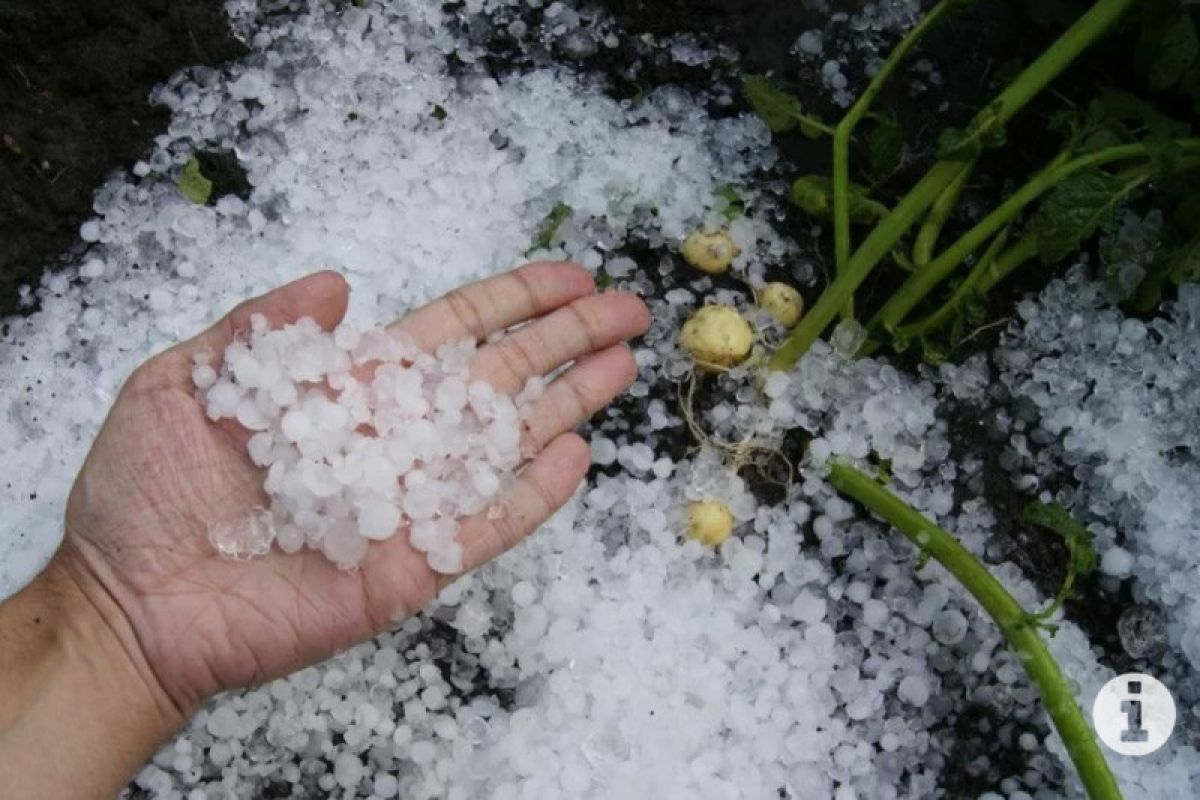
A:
{"x": 813, "y": 194}
{"x": 550, "y": 225}
{"x": 1066, "y": 121}
{"x": 933, "y": 352}
{"x": 974, "y": 308}
{"x": 438, "y": 113}
{"x": 1169, "y": 50}
{"x": 1183, "y": 263}
{"x": 954, "y": 144}
{"x": 885, "y": 143}
{"x": 1132, "y": 247}
{"x": 986, "y": 132}
{"x": 735, "y": 206}
{"x": 193, "y": 184}
{"x": 1115, "y": 105}
{"x": 779, "y": 110}
{"x": 1075, "y": 209}
{"x": 1118, "y": 117}
{"x": 1054, "y": 517}
{"x": 1176, "y": 263}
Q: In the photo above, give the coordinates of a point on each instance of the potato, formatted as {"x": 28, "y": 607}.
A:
{"x": 782, "y": 302}
{"x": 709, "y": 522}
{"x": 717, "y": 337}
{"x": 709, "y": 251}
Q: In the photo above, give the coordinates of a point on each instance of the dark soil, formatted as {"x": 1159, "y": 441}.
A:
{"x": 75, "y": 76}
{"x": 227, "y": 174}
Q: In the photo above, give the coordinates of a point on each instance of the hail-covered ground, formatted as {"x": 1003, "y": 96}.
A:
{"x": 813, "y": 654}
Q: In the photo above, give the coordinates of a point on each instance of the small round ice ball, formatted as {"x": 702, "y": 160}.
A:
{"x": 1142, "y": 630}
{"x": 949, "y": 626}
{"x": 914, "y": 690}
{"x": 378, "y": 519}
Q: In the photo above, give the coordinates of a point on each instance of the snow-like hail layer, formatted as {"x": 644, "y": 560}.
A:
{"x": 602, "y": 658}
{"x": 332, "y": 117}
{"x": 1115, "y": 400}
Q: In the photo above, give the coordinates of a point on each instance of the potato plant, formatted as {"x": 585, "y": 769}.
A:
{"x": 1113, "y": 146}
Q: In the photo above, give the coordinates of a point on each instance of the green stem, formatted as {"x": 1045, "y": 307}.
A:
{"x": 1005, "y": 611}
{"x": 1093, "y": 24}
{"x": 813, "y": 123}
{"x": 924, "y": 280}
{"x": 1025, "y": 249}
{"x": 845, "y": 129}
{"x": 993, "y": 267}
{"x": 931, "y": 229}
{"x": 1064, "y": 592}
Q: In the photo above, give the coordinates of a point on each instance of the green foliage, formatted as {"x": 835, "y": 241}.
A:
{"x": 1129, "y": 247}
{"x": 1168, "y": 46}
{"x": 550, "y": 225}
{"x": 813, "y": 194}
{"x": 885, "y": 143}
{"x": 1074, "y": 210}
{"x": 193, "y": 184}
{"x": 1174, "y": 263}
{"x": 1081, "y": 552}
{"x": 1053, "y": 517}
{"x": 1183, "y": 262}
{"x": 986, "y": 132}
{"x": 1117, "y": 117}
{"x": 438, "y": 113}
{"x": 735, "y": 206}
{"x": 780, "y": 111}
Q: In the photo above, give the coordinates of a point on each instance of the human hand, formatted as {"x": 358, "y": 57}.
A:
{"x": 160, "y": 474}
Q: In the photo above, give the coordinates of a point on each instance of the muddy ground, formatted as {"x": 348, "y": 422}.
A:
{"x": 75, "y": 76}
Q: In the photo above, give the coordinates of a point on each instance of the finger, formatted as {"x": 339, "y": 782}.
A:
{"x": 587, "y": 325}
{"x": 479, "y": 309}
{"x": 544, "y": 486}
{"x": 577, "y": 394}
{"x": 323, "y": 296}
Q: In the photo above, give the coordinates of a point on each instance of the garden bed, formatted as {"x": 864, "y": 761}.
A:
{"x": 814, "y": 654}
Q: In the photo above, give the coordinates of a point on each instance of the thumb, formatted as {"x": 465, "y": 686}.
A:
{"x": 323, "y": 296}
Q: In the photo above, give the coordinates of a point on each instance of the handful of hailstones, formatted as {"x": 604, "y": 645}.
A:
{"x": 364, "y": 436}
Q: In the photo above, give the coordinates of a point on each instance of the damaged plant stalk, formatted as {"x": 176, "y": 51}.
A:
{"x": 1018, "y": 626}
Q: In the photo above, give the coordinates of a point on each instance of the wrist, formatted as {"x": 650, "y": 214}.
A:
{"x": 80, "y": 709}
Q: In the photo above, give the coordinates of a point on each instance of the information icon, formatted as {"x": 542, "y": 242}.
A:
{"x": 1134, "y": 714}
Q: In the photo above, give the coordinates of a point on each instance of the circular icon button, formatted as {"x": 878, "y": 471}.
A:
{"x": 1134, "y": 714}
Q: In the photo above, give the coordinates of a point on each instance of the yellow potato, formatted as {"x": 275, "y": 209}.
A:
{"x": 717, "y": 337}
{"x": 709, "y": 251}
{"x": 709, "y": 522}
{"x": 782, "y": 302}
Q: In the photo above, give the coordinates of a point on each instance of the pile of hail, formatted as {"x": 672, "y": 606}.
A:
{"x": 363, "y": 436}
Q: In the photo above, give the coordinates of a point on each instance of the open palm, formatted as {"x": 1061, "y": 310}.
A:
{"x": 160, "y": 474}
